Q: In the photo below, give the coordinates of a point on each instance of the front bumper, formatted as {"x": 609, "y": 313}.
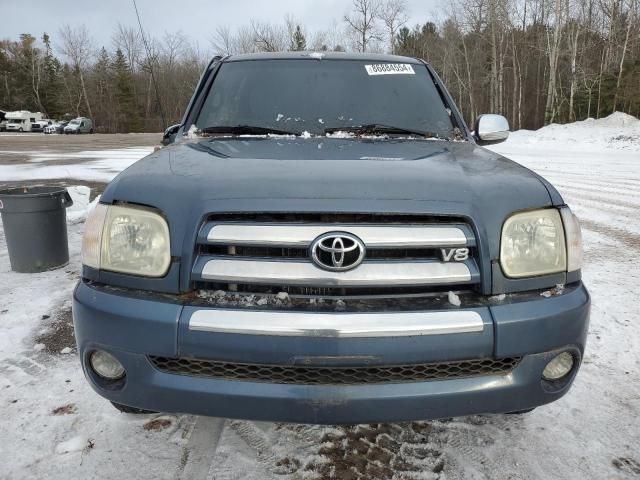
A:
{"x": 133, "y": 326}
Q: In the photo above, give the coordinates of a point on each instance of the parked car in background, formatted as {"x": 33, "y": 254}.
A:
{"x": 57, "y": 127}
{"x": 21, "y": 120}
{"x": 40, "y": 125}
{"x": 3, "y": 121}
{"x": 79, "y": 125}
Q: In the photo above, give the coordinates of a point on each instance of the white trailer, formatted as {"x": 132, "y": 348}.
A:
{"x": 21, "y": 120}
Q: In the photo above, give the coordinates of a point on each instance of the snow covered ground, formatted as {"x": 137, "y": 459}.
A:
{"x": 53, "y": 426}
{"x": 92, "y": 165}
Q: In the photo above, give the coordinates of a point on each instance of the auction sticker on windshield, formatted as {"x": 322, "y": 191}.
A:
{"x": 390, "y": 69}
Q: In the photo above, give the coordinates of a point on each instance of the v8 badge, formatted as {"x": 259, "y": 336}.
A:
{"x": 454, "y": 254}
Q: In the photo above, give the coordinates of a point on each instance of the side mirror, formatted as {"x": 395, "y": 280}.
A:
{"x": 491, "y": 129}
{"x": 169, "y": 135}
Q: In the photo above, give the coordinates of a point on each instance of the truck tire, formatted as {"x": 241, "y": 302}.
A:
{"x": 132, "y": 410}
{"x": 21, "y": 129}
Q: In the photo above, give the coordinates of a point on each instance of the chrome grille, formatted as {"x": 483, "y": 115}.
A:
{"x": 305, "y": 375}
{"x": 270, "y": 253}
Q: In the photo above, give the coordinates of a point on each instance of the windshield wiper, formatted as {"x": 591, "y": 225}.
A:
{"x": 246, "y": 130}
{"x": 373, "y": 128}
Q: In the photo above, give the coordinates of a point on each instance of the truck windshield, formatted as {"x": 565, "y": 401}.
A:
{"x": 324, "y": 96}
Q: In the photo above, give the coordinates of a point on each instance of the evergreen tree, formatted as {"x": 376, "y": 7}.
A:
{"x": 52, "y": 88}
{"x": 404, "y": 39}
{"x": 298, "y": 41}
{"x": 102, "y": 91}
{"x": 25, "y": 75}
{"x": 128, "y": 118}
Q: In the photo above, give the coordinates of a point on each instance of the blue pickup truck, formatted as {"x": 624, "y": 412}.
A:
{"x": 324, "y": 240}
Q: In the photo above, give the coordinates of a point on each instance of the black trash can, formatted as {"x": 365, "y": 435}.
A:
{"x": 35, "y": 227}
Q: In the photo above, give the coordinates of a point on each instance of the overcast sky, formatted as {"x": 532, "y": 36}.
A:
{"x": 195, "y": 18}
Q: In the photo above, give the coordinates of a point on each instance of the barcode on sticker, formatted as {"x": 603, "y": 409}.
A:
{"x": 390, "y": 69}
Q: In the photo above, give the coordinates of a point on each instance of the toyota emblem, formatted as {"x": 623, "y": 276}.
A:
{"x": 337, "y": 251}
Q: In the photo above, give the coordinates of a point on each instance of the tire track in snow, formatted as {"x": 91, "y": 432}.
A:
{"x": 614, "y": 198}
{"x": 613, "y": 215}
{"x": 623, "y": 180}
{"x": 473, "y": 447}
{"x": 258, "y": 444}
{"x": 21, "y": 365}
{"x": 605, "y": 183}
{"x": 625, "y": 237}
{"x": 619, "y": 200}
{"x": 579, "y": 201}
{"x": 378, "y": 452}
{"x": 200, "y": 450}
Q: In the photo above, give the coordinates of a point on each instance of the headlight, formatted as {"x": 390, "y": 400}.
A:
{"x": 129, "y": 239}
{"x": 533, "y": 243}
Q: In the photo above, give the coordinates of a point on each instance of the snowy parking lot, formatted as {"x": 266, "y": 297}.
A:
{"x": 54, "y": 426}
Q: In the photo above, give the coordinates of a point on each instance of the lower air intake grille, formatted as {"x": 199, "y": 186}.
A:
{"x": 302, "y": 375}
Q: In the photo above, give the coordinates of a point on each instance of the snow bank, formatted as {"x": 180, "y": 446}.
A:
{"x": 80, "y": 196}
{"x": 618, "y": 131}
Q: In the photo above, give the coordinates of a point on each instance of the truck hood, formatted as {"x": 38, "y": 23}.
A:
{"x": 191, "y": 178}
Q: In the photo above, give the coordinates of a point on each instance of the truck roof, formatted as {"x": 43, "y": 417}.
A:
{"x": 371, "y": 57}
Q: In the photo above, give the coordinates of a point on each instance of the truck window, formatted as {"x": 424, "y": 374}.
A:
{"x": 311, "y": 95}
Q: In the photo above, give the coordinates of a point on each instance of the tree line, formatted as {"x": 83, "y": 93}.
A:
{"x": 534, "y": 61}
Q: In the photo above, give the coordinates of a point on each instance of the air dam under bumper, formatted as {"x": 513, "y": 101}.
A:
{"x": 133, "y": 327}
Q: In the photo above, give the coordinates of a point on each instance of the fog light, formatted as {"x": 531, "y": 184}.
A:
{"x": 557, "y": 368}
{"x": 106, "y": 365}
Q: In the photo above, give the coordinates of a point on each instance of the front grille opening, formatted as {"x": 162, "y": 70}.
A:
{"x": 328, "y": 302}
{"x": 333, "y": 292}
{"x": 304, "y": 375}
{"x": 310, "y": 217}
{"x": 298, "y": 253}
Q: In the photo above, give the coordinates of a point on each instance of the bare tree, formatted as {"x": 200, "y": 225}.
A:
{"x": 631, "y": 18}
{"x": 268, "y": 37}
{"x": 553, "y": 52}
{"x": 362, "y": 23}
{"x": 174, "y": 47}
{"x": 574, "y": 28}
{"x": 466, "y": 57}
{"x": 330, "y": 39}
{"x": 128, "y": 40}
{"x": 76, "y": 45}
{"x": 290, "y": 25}
{"x": 223, "y": 41}
{"x": 245, "y": 40}
{"x": 393, "y": 14}
{"x": 497, "y": 23}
